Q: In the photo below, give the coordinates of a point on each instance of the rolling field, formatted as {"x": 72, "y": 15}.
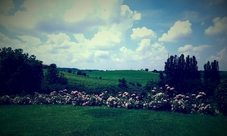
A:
{"x": 109, "y": 79}
{"x": 37, "y": 120}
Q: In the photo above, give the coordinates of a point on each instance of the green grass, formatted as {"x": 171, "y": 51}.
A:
{"x": 223, "y": 74}
{"x": 109, "y": 79}
{"x": 67, "y": 120}
{"x": 112, "y": 76}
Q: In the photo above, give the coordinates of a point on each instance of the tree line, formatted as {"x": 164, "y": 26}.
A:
{"x": 183, "y": 74}
{"x": 23, "y": 74}
{"x": 20, "y": 72}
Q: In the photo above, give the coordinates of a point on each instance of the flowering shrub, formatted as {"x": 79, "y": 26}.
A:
{"x": 156, "y": 99}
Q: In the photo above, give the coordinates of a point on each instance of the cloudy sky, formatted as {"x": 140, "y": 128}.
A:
{"x": 115, "y": 34}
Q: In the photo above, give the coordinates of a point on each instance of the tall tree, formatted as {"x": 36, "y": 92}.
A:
{"x": 182, "y": 74}
{"x": 211, "y": 76}
{"x": 19, "y": 72}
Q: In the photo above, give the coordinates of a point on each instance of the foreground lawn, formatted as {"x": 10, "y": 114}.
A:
{"x": 67, "y": 120}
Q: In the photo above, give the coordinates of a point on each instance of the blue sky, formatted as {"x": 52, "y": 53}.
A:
{"x": 116, "y": 34}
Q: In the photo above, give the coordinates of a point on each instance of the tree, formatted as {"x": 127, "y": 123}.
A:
{"x": 69, "y": 71}
{"x": 52, "y": 74}
{"x": 211, "y": 76}
{"x": 19, "y": 72}
{"x": 221, "y": 96}
{"x": 122, "y": 83}
{"x": 53, "y": 79}
{"x": 161, "y": 79}
{"x": 150, "y": 85}
{"x": 182, "y": 74}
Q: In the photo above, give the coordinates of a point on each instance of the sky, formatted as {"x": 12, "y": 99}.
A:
{"x": 116, "y": 34}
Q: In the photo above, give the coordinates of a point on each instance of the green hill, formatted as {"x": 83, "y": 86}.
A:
{"x": 97, "y": 81}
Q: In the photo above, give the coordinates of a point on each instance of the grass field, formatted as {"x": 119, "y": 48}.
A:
{"x": 112, "y": 76}
{"x": 109, "y": 79}
{"x": 37, "y": 120}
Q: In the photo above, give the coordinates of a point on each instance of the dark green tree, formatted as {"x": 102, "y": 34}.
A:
{"x": 221, "y": 96}
{"x": 161, "y": 81}
{"x": 19, "y": 72}
{"x": 182, "y": 74}
{"x": 69, "y": 71}
{"x": 122, "y": 83}
{"x": 211, "y": 76}
{"x": 53, "y": 79}
{"x": 151, "y": 84}
{"x": 52, "y": 74}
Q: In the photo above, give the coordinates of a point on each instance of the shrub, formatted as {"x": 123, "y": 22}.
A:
{"x": 221, "y": 96}
{"x": 150, "y": 84}
{"x": 122, "y": 83}
{"x": 53, "y": 80}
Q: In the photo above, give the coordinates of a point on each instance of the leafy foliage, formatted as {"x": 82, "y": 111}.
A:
{"x": 211, "y": 76}
{"x": 81, "y": 73}
{"x": 221, "y": 96}
{"x": 181, "y": 73}
{"x": 151, "y": 84}
{"x": 19, "y": 72}
{"x": 54, "y": 80}
{"x": 122, "y": 83}
{"x": 162, "y": 81}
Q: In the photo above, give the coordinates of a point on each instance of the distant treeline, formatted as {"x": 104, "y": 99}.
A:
{"x": 23, "y": 73}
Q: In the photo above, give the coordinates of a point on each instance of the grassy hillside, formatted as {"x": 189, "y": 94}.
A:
{"x": 99, "y": 81}
{"x": 109, "y": 79}
{"x": 40, "y": 120}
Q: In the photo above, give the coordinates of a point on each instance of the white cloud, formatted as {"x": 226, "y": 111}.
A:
{"x": 219, "y": 26}
{"x": 144, "y": 45}
{"x": 125, "y": 11}
{"x": 91, "y": 10}
{"x": 101, "y": 54}
{"x": 30, "y": 40}
{"x": 145, "y": 55}
{"x": 79, "y": 11}
{"x": 71, "y": 16}
{"x": 80, "y": 38}
{"x": 136, "y": 15}
{"x": 221, "y": 57}
{"x": 188, "y": 49}
{"x": 27, "y": 19}
{"x": 7, "y": 42}
{"x": 140, "y": 33}
{"x": 57, "y": 38}
{"x": 179, "y": 31}
{"x": 105, "y": 39}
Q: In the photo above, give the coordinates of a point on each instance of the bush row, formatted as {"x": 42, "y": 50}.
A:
{"x": 156, "y": 99}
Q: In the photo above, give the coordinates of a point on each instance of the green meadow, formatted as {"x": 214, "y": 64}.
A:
{"x": 98, "y": 81}
{"x": 107, "y": 80}
{"x": 37, "y": 120}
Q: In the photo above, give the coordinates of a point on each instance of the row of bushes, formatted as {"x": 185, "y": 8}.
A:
{"x": 156, "y": 99}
